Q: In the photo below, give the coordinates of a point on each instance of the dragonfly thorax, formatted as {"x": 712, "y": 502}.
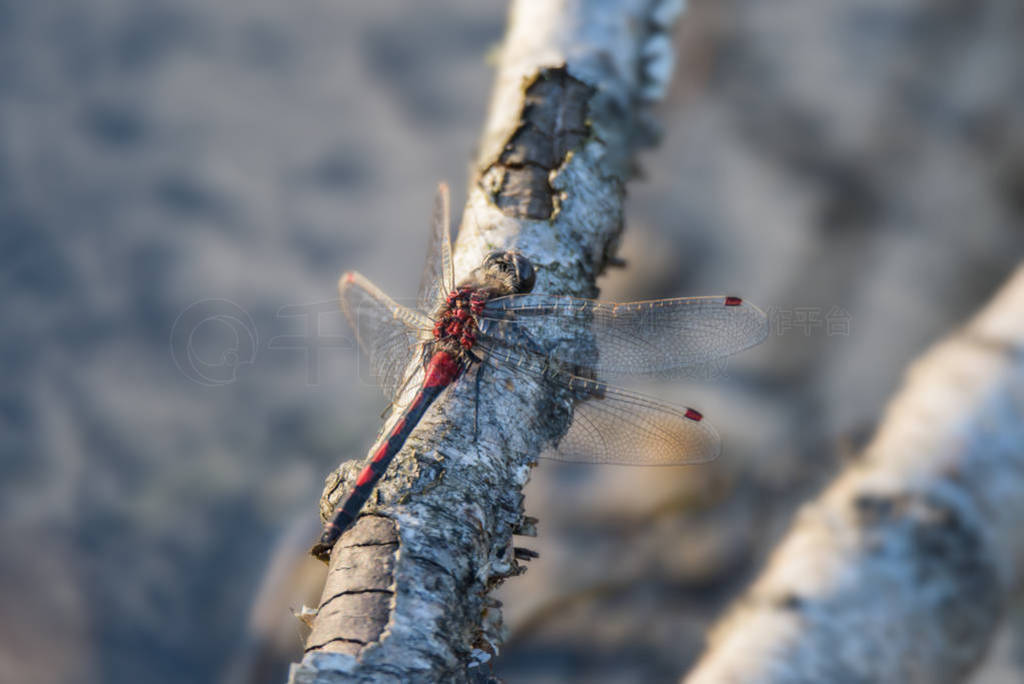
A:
{"x": 457, "y": 322}
{"x": 502, "y": 273}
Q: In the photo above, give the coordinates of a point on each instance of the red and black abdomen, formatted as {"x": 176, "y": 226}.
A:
{"x": 441, "y": 371}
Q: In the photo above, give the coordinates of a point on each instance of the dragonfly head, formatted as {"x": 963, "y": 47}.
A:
{"x": 515, "y": 268}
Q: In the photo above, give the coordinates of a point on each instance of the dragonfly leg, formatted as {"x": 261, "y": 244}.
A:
{"x": 476, "y": 398}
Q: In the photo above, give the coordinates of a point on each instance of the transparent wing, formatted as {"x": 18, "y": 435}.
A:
{"x": 438, "y": 275}
{"x": 612, "y": 425}
{"x": 617, "y": 426}
{"x": 388, "y": 333}
{"x": 630, "y": 338}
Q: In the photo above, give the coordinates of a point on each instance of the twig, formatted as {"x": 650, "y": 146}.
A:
{"x": 899, "y": 571}
{"x": 406, "y": 597}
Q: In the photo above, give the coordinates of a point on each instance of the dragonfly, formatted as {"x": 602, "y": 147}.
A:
{"x": 492, "y": 318}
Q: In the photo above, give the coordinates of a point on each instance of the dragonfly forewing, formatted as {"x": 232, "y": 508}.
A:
{"x": 634, "y": 338}
{"x": 438, "y": 272}
{"x": 388, "y": 333}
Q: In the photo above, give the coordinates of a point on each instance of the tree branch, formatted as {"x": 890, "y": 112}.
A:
{"x": 899, "y": 571}
{"x": 406, "y": 596}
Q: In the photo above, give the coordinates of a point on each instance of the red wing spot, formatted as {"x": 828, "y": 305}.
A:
{"x": 733, "y": 301}
{"x": 694, "y": 415}
{"x": 365, "y": 476}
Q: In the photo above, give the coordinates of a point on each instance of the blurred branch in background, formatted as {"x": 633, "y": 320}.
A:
{"x": 901, "y": 570}
{"x": 406, "y": 595}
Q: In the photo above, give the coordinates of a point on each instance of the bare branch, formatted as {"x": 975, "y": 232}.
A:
{"x": 407, "y": 592}
{"x": 899, "y": 571}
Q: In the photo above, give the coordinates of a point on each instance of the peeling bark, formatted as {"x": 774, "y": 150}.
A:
{"x": 899, "y": 572}
{"x": 553, "y": 124}
{"x": 566, "y": 117}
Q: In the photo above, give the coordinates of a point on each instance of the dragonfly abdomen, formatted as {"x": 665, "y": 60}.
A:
{"x": 441, "y": 371}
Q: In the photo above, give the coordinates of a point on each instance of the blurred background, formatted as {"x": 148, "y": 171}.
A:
{"x": 181, "y": 184}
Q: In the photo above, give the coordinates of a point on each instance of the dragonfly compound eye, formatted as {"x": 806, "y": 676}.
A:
{"x": 516, "y": 265}
{"x": 524, "y": 271}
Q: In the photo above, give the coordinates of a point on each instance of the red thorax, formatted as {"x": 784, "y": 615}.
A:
{"x": 458, "y": 320}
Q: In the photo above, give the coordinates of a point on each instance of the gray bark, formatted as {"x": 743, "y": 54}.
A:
{"x": 406, "y": 598}
{"x": 899, "y": 571}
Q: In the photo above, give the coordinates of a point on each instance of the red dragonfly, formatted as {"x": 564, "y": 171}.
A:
{"x": 491, "y": 318}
